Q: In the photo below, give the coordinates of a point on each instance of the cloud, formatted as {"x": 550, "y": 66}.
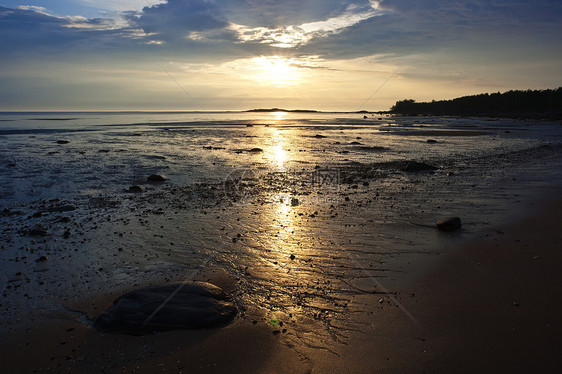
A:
{"x": 175, "y": 19}
{"x": 206, "y": 21}
{"x": 295, "y": 35}
{"x": 35, "y": 27}
{"x": 122, "y": 5}
{"x": 410, "y": 27}
{"x": 280, "y": 14}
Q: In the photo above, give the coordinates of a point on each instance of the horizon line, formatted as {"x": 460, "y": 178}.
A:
{"x": 257, "y": 110}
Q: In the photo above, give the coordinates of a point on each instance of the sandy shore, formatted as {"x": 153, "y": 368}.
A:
{"x": 487, "y": 306}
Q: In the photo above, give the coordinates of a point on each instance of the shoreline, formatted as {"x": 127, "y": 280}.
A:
{"x": 477, "y": 308}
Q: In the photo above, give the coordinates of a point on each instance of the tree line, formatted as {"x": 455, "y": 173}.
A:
{"x": 524, "y": 104}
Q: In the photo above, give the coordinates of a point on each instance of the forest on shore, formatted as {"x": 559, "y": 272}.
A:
{"x": 540, "y": 104}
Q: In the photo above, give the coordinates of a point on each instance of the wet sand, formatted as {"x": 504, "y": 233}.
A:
{"x": 490, "y": 305}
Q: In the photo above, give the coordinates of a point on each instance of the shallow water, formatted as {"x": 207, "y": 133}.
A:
{"x": 314, "y": 225}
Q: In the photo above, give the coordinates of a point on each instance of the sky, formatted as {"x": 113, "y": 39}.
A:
{"x": 343, "y": 55}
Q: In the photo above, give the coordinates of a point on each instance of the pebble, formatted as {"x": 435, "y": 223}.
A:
{"x": 135, "y": 189}
{"x": 449, "y": 224}
{"x": 156, "y": 178}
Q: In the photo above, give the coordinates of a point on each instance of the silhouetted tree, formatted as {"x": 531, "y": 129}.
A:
{"x": 537, "y": 103}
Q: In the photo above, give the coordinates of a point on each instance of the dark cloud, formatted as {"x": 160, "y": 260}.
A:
{"x": 409, "y": 27}
{"x": 32, "y": 31}
{"x": 176, "y": 18}
{"x": 201, "y": 29}
{"x": 276, "y": 13}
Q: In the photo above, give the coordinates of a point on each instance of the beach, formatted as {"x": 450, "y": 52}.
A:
{"x": 486, "y": 306}
{"x": 321, "y": 229}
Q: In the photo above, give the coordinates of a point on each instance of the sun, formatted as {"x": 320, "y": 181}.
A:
{"x": 276, "y": 70}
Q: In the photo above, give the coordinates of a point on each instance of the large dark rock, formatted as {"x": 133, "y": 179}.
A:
{"x": 449, "y": 224}
{"x": 170, "y": 307}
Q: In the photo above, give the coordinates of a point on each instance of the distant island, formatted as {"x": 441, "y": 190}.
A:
{"x": 271, "y": 110}
{"x": 282, "y": 110}
{"x": 537, "y": 104}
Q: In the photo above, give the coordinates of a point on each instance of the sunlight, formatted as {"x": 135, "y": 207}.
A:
{"x": 279, "y": 116}
{"x": 278, "y": 153}
{"x": 276, "y": 70}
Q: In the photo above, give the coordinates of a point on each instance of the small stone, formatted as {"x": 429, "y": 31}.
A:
{"x": 62, "y": 142}
{"x": 294, "y": 201}
{"x": 292, "y": 257}
{"x": 255, "y": 150}
{"x": 37, "y": 232}
{"x": 449, "y": 224}
{"x": 135, "y": 189}
{"x": 156, "y": 178}
{"x": 381, "y": 301}
{"x": 41, "y": 259}
{"x": 431, "y": 141}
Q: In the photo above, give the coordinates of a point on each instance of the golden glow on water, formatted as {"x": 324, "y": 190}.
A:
{"x": 277, "y": 142}
{"x": 279, "y": 154}
{"x": 279, "y": 116}
{"x": 283, "y": 209}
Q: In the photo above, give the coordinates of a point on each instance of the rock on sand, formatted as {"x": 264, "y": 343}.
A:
{"x": 169, "y": 307}
{"x": 449, "y": 224}
{"x": 155, "y": 178}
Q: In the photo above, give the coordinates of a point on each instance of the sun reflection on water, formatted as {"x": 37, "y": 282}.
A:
{"x": 276, "y": 150}
{"x": 278, "y": 116}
